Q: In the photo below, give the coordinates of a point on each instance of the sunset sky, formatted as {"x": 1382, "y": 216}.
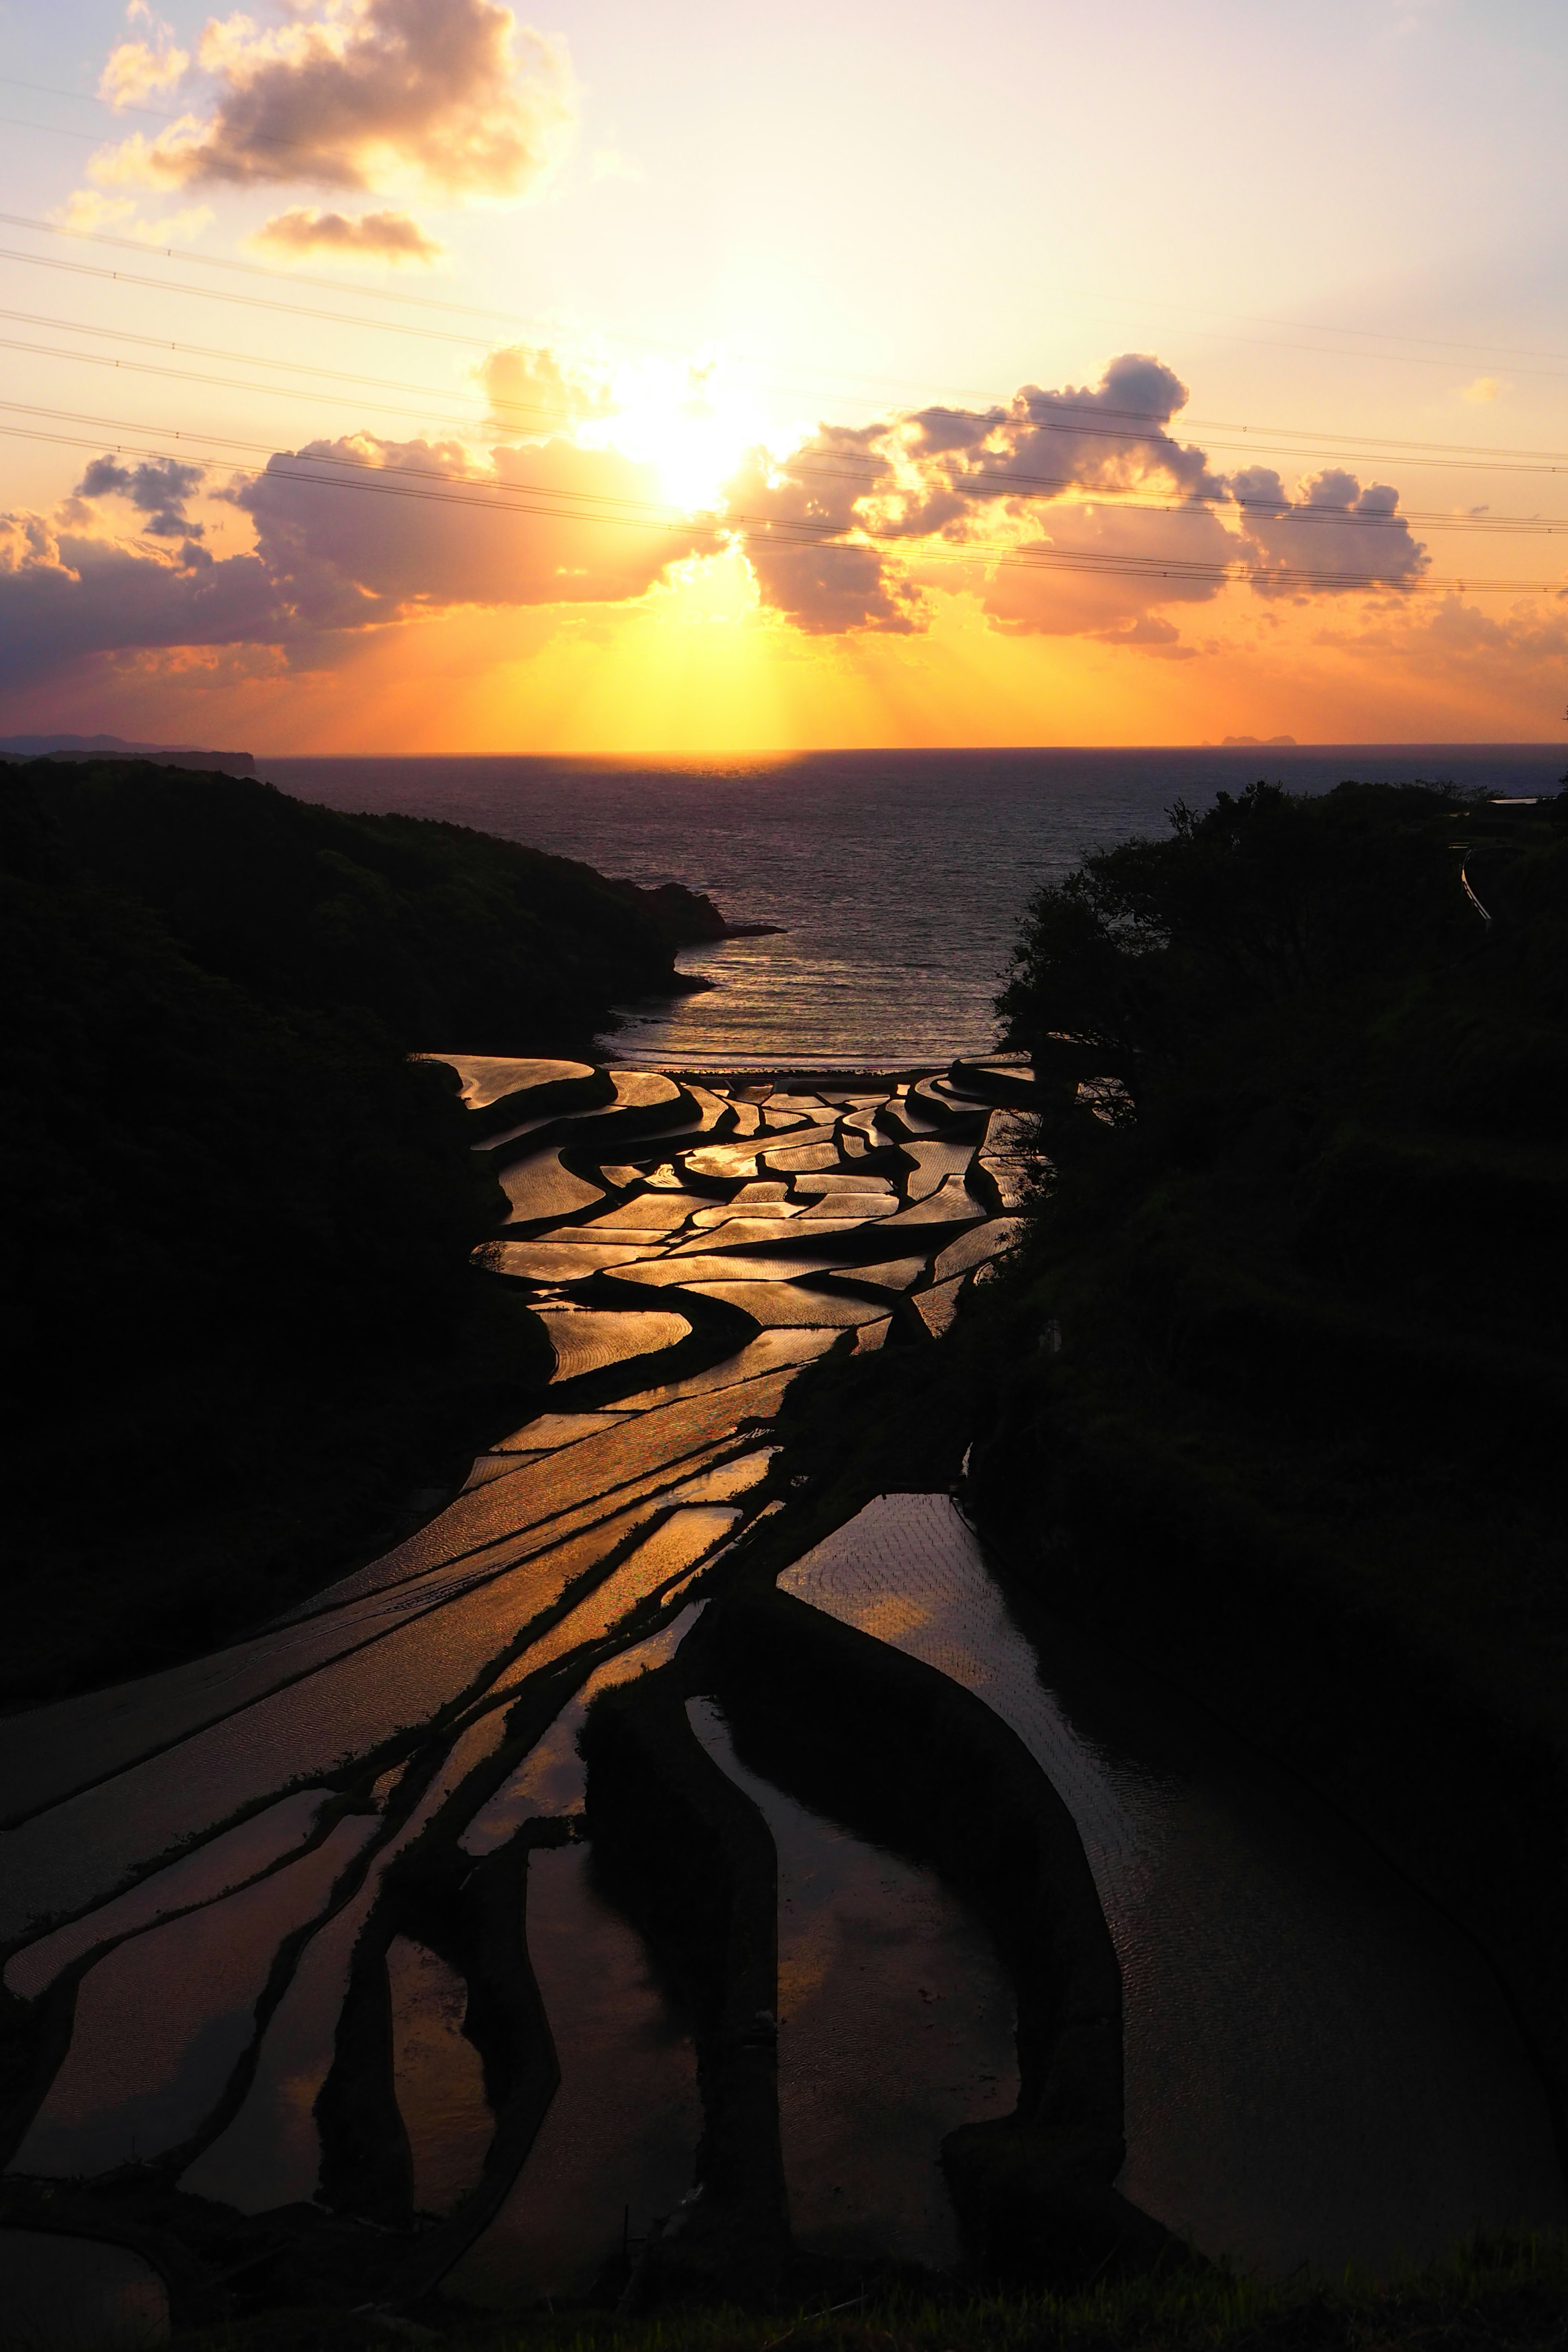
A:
{"x": 740, "y": 376}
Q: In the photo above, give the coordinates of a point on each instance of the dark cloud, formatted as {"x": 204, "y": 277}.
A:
{"x": 798, "y": 518}
{"x": 1086, "y": 513}
{"x": 454, "y": 90}
{"x": 67, "y": 596}
{"x": 355, "y": 237}
{"x": 1331, "y": 529}
{"x": 350, "y": 535}
{"x": 373, "y": 528}
{"x": 158, "y": 489}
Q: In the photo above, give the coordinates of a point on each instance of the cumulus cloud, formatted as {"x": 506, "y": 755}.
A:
{"x": 1331, "y": 535}
{"x": 532, "y": 393}
{"x": 67, "y": 596}
{"x": 803, "y": 522}
{"x": 1085, "y": 511}
{"x": 351, "y": 534}
{"x": 148, "y": 62}
{"x": 1097, "y": 570}
{"x": 1112, "y": 437}
{"x": 363, "y": 527}
{"x": 349, "y": 237}
{"x": 158, "y": 488}
{"x": 455, "y": 91}
{"x": 1080, "y": 512}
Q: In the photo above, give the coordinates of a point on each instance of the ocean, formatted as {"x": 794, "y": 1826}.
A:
{"x": 899, "y": 877}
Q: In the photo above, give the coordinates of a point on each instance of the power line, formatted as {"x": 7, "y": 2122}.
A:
{"x": 604, "y": 509}
{"x": 282, "y": 276}
{"x": 1433, "y": 343}
{"x": 1480, "y": 460}
{"x": 1027, "y": 486}
{"x": 1081, "y": 419}
{"x": 534, "y": 325}
{"x": 250, "y": 302}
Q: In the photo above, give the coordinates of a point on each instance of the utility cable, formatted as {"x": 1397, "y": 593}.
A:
{"x": 978, "y": 484}
{"x": 720, "y": 531}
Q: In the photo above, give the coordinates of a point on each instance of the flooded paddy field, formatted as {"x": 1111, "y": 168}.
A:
{"x": 356, "y": 1961}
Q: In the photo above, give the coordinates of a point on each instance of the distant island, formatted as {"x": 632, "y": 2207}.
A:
{"x": 1261, "y": 742}
{"x": 116, "y": 747}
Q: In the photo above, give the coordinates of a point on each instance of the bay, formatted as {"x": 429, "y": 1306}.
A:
{"x": 898, "y": 877}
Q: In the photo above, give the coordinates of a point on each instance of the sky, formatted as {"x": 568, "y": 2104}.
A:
{"x": 420, "y": 375}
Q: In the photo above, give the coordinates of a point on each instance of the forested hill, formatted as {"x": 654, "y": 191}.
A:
{"x": 453, "y": 940}
{"x": 1279, "y": 1386}
{"x": 239, "y": 1326}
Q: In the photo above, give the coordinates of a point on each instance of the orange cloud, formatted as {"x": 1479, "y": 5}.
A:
{"x": 455, "y": 91}
{"x": 362, "y": 236}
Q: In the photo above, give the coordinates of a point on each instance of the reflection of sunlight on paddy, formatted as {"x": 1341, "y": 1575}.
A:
{"x": 895, "y": 2026}
{"x": 1319, "y": 2069}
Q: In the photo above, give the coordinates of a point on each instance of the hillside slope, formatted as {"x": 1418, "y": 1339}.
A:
{"x": 240, "y": 1332}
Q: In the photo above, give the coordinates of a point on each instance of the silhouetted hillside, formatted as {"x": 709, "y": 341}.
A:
{"x": 453, "y": 940}
{"x": 1277, "y": 1398}
{"x": 239, "y": 1326}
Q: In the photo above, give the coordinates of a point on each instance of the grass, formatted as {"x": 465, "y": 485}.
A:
{"x": 1503, "y": 2294}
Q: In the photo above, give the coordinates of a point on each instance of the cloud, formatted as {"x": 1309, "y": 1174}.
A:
{"x": 799, "y": 520}
{"x": 352, "y": 236}
{"x": 532, "y": 392}
{"x": 1484, "y": 388}
{"x": 361, "y": 528}
{"x": 1070, "y": 513}
{"x": 1112, "y": 437}
{"x": 89, "y": 209}
{"x": 140, "y": 68}
{"x": 67, "y": 596}
{"x": 455, "y": 91}
{"x": 1083, "y": 510}
{"x": 1330, "y": 536}
{"x": 1098, "y": 569}
{"x": 158, "y": 488}
{"x": 352, "y": 534}
{"x": 1450, "y": 638}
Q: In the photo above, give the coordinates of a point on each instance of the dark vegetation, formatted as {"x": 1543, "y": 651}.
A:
{"x": 241, "y": 1339}
{"x": 1276, "y": 1395}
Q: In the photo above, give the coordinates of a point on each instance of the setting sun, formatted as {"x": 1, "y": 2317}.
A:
{"x": 687, "y": 424}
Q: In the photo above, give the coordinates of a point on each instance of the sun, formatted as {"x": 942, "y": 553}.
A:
{"x": 687, "y": 424}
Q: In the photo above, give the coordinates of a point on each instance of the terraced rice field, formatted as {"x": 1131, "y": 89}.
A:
{"x": 1320, "y": 2070}
{"x": 216, "y": 1884}
{"x": 316, "y": 1933}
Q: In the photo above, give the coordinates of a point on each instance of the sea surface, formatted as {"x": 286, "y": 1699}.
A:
{"x": 899, "y": 877}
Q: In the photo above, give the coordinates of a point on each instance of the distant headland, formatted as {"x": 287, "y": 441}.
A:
{"x": 115, "y": 746}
